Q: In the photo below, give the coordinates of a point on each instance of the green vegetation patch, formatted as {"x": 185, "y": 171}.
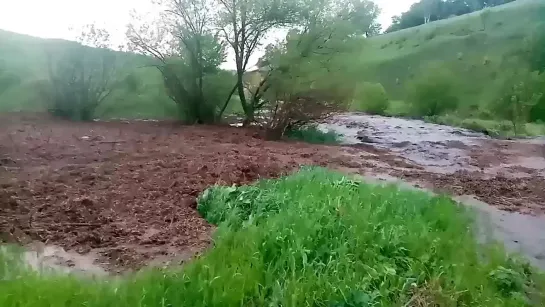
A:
{"x": 311, "y": 134}
{"x": 315, "y": 238}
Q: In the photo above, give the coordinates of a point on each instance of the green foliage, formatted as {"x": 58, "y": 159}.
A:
{"x": 534, "y": 53}
{"x": 311, "y": 134}
{"x": 371, "y": 98}
{"x": 491, "y": 127}
{"x": 187, "y": 53}
{"x": 520, "y": 90}
{"x": 315, "y": 24}
{"x": 308, "y": 76}
{"x": 7, "y": 79}
{"x": 433, "y": 92}
{"x": 315, "y": 238}
{"x": 80, "y": 78}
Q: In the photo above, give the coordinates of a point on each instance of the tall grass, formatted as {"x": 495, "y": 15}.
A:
{"x": 315, "y": 238}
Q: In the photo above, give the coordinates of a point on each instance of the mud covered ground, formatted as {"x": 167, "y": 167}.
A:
{"x": 124, "y": 193}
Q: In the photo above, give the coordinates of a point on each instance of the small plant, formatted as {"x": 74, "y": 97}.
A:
{"x": 431, "y": 35}
{"x": 507, "y": 281}
{"x": 311, "y": 134}
{"x": 520, "y": 91}
{"x": 371, "y": 98}
{"x": 432, "y": 92}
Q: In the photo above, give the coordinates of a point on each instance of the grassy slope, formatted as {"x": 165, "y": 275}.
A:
{"x": 475, "y": 49}
{"x": 472, "y": 50}
{"x": 25, "y": 58}
{"x": 315, "y": 238}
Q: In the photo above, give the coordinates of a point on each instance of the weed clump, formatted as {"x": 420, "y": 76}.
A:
{"x": 433, "y": 92}
{"x": 311, "y": 134}
{"x": 371, "y": 98}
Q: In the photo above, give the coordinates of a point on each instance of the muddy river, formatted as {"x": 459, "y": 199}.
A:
{"x": 443, "y": 153}
{"x": 78, "y": 208}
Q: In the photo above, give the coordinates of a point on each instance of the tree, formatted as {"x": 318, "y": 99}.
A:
{"x": 306, "y": 76}
{"x": 81, "y": 77}
{"x": 244, "y": 24}
{"x": 521, "y": 90}
{"x": 187, "y": 53}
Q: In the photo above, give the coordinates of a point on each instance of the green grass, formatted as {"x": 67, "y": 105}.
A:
{"x": 491, "y": 127}
{"x": 472, "y": 52}
{"x": 311, "y": 134}
{"x": 315, "y": 238}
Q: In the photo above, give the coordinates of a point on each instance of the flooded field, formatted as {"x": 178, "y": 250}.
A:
{"x": 107, "y": 197}
{"x": 503, "y": 180}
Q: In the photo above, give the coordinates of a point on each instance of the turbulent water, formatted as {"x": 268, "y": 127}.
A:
{"x": 444, "y": 150}
{"x": 439, "y": 148}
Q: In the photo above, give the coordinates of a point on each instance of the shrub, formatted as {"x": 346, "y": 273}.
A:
{"x": 534, "y": 56}
{"x": 311, "y": 134}
{"x": 7, "y": 79}
{"x": 371, "y": 98}
{"x": 432, "y": 92}
{"x": 79, "y": 82}
{"x": 520, "y": 91}
{"x": 431, "y": 35}
{"x": 80, "y": 77}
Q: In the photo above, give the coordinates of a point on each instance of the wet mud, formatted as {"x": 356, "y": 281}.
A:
{"x": 503, "y": 180}
{"x": 116, "y": 196}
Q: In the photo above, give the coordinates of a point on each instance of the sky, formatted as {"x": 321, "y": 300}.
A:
{"x": 54, "y": 18}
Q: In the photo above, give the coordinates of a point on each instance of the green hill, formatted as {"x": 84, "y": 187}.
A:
{"x": 473, "y": 47}
{"x": 23, "y": 71}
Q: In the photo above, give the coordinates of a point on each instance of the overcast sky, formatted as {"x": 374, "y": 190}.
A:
{"x": 52, "y": 18}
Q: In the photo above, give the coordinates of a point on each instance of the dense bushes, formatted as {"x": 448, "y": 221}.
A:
{"x": 371, "y": 98}
{"x": 433, "y": 92}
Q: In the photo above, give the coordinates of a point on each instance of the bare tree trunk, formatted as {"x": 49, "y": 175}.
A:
{"x": 220, "y": 115}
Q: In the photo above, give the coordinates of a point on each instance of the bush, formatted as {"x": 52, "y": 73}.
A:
{"x": 520, "y": 91}
{"x": 534, "y": 51}
{"x": 80, "y": 77}
{"x": 311, "y": 134}
{"x": 432, "y": 92}
{"x": 371, "y": 98}
{"x": 7, "y": 80}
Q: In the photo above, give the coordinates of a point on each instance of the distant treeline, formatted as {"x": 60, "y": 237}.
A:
{"x": 426, "y": 11}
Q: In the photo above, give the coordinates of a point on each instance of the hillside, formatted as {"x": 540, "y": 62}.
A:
{"x": 23, "y": 61}
{"x": 474, "y": 47}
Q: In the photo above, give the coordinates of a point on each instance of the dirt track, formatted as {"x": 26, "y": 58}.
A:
{"x": 126, "y": 191}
